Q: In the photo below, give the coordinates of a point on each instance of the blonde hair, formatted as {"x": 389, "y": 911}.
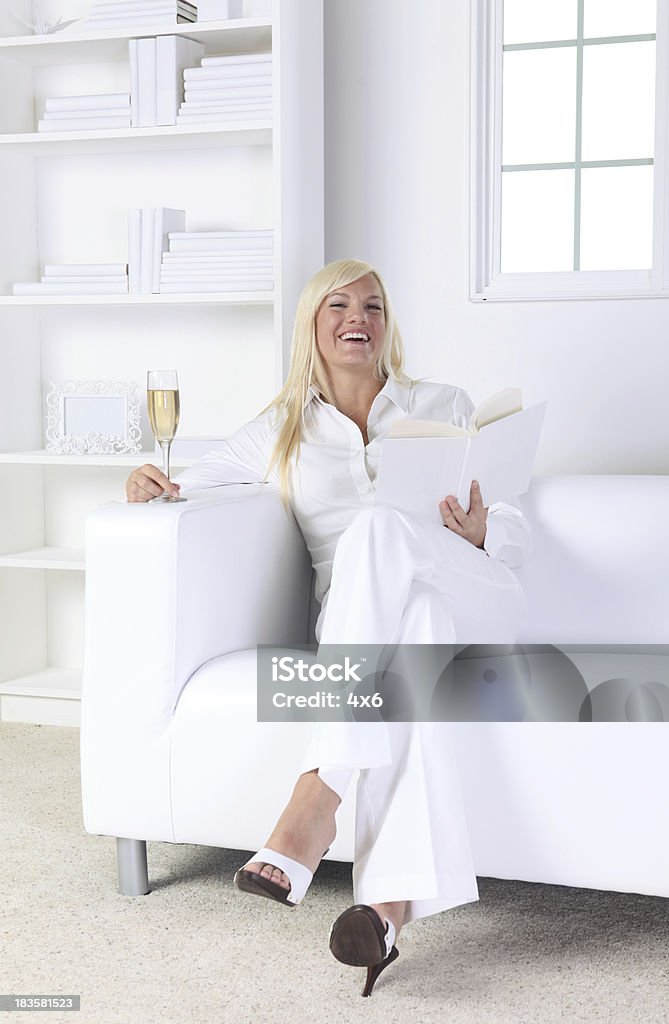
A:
{"x": 307, "y": 368}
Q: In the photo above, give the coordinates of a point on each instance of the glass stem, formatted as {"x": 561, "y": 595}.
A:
{"x": 165, "y": 446}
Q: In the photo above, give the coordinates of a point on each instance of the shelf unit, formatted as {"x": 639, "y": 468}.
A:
{"x": 64, "y": 199}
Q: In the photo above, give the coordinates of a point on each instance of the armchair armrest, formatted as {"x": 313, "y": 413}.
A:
{"x": 169, "y": 587}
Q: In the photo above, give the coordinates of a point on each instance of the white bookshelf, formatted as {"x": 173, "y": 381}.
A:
{"x": 96, "y": 142}
{"x": 73, "y": 45}
{"x": 49, "y": 697}
{"x": 68, "y": 559}
{"x": 64, "y": 198}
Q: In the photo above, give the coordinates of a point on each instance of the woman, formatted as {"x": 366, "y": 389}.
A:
{"x": 382, "y": 578}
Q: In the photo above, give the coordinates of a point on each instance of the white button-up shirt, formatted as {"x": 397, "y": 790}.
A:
{"x": 334, "y": 476}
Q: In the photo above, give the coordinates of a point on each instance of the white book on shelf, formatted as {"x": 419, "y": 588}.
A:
{"x": 146, "y": 61}
{"x": 199, "y": 91}
{"x": 134, "y": 250}
{"x": 146, "y": 16}
{"x": 79, "y": 269}
{"x": 222, "y": 246}
{"x": 260, "y": 252}
{"x": 64, "y": 115}
{"x": 207, "y": 96}
{"x": 146, "y": 258}
{"x": 214, "y": 272}
{"x": 76, "y": 124}
{"x": 193, "y": 287}
{"x": 233, "y": 233}
{"x": 213, "y": 266}
{"x": 262, "y": 113}
{"x": 144, "y": 11}
{"x": 170, "y": 273}
{"x": 84, "y": 279}
{"x": 248, "y": 255}
{"x": 238, "y": 116}
{"x": 218, "y": 10}
{"x": 38, "y": 288}
{"x": 135, "y": 21}
{"x": 192, "y": 245}
{"x": 237, "y": 92}
{"x": 220, "y": 99}
{"x": 133, "y": 66}
{"x": 226, "y": 60}
{"x": 227, "y": 77}
{"x": 173, "y": 55}
{"x": 104, "y": 101}
{"x": 241, "y": 284}
{"x": 164, "y": 221}
{"x": 133, "y": 6}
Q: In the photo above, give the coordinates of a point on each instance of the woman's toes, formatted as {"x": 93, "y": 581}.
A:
{"x": 275, "y": 875}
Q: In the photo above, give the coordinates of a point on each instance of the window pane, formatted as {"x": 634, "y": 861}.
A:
{"x": 539, "y": 106}
{"x": 537, "y": 221}
{"x": 538, "y": 21}
{"x": 616, "y": 218}
{"x": 619, "y": 17}
{"x": 619, "y": 101}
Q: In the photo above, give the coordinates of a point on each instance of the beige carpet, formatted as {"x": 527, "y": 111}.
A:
{"x": 197, "y": 950}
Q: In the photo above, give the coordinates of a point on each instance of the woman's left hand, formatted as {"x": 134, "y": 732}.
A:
{"x": 470, "y": 525}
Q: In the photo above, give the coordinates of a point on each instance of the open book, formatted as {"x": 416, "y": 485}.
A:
{"x": 422, "y": 461}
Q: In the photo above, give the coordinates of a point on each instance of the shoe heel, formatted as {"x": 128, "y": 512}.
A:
{"x": 374, "y": 970}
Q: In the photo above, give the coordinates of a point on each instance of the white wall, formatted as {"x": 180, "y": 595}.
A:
{"x": 396, "y": 185}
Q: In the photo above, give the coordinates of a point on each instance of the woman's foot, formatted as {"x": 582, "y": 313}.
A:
{"x": 305, "y": 829}
{"x": 365, "y": 935}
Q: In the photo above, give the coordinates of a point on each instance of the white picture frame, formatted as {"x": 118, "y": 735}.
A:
{"x": 93, "y": 417}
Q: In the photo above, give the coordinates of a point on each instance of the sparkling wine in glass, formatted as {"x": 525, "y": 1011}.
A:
{"x": 162, "y": 395}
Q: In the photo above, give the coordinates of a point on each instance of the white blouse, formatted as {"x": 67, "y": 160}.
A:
{"x": 334, "y": 476}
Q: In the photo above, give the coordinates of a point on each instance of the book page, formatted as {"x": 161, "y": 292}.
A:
{"x": 504, "y": 403}
{"x": 501, "y": 457}
{"x": 415, "y": 474}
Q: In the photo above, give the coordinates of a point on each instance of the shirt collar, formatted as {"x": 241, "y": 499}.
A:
{"x": 397, "y": 393}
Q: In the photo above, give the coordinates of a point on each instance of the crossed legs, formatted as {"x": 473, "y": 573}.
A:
{"x": 306, "y": 828}
{"x": 395, "y": 581}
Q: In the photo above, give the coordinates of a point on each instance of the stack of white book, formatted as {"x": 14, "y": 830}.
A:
{"x": 218, "y": 261}
{"x": 132, "y": 13}
{"x": 78, "y": 113}
{"x": 156, "y": 77}
{"x": 236, "y": 87}
{"x": 78, "y": 279}
{"x": 148, "y": 230}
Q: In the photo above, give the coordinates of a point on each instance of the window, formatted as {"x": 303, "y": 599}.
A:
{"x": 569, "y": 149}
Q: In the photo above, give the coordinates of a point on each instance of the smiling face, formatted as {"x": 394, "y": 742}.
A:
{"x": 351, "y": 326}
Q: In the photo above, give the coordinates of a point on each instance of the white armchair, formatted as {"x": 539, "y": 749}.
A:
{"x": 178, "y": 596}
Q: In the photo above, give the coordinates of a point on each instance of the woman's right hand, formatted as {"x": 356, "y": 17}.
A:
{"x": 148, "y": 482}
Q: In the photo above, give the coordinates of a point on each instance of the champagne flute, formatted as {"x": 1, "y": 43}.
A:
{"x": 162, "y": 394}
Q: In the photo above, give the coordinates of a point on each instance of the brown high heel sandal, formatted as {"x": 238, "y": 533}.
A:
{"x": 358, "y": 938}
{"x": 252, "y": 881}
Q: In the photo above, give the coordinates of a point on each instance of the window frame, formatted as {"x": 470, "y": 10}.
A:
{"x": 486, "y": 283}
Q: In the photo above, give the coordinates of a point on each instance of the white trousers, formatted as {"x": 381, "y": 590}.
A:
{"x": 400, "y": 581}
